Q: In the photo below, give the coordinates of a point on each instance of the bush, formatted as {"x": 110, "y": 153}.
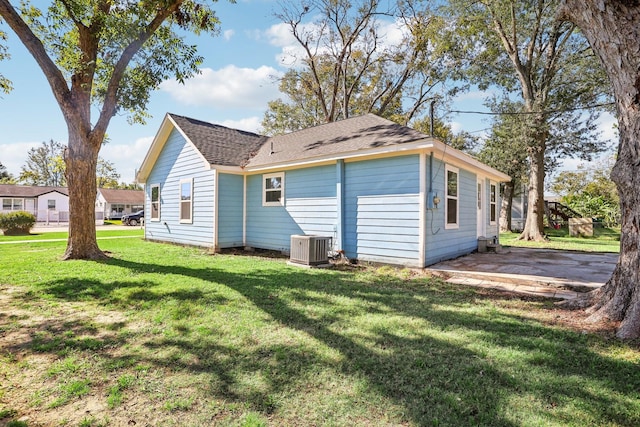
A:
{"x": 18, "y": 222}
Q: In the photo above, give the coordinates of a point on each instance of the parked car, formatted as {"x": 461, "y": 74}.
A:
{"x": 133, "y": 218}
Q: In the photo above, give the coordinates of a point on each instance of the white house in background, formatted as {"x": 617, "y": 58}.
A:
{"x": 48, "y": 204}
{"x": 113, "y": 203}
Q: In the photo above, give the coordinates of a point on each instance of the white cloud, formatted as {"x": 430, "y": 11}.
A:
{"x": 14, "y": 155}
{"x": 127, "y": 158}
{"x": 250, "y": 124}
{"x": 228, "y": 34}
{"x": 456, "y": 127}
{"x": 227, "y": 87}
{"x": 607, "y": 125}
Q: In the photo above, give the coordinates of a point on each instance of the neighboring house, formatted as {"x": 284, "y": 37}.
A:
{"x": 384, "y": 192}
{"x": 48, "y": 204}
{"x": 113, "y": 203}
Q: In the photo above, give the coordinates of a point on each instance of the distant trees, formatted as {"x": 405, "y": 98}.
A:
{"x": 45, "y": 166}
{"x": 590, "y": 192}
{"x": 5, "y": 176}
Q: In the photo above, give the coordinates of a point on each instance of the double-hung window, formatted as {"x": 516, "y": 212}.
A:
{"x": 451, "y": 209}
{"x": 155, "y": 202}
{"x": 493, "y": 198}
{"x": 186, "y": 200}
{"x": 273, "y": 189}
{"x": 51, "y": 204}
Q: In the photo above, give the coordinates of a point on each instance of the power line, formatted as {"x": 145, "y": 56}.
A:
{"x": 518, "y": 113}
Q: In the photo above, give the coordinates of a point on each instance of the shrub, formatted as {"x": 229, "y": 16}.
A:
{"x": 18, "y": 222}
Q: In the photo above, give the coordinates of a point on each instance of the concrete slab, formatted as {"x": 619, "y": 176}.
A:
{"x": 539, "y": 270}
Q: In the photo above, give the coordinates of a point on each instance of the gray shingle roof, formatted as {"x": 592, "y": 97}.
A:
{"x": 218, "y": 144}
{"x": 230, "y": 147}
{"x": 349, "y": 135}
{"x": 10, "y": 190}
{"x": 113, "y": 195}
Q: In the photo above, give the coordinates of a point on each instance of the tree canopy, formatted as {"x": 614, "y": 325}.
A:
{"x": 348, "y": 66}
{"x": 98, "y": 54}
{"x": 519, "y": 49}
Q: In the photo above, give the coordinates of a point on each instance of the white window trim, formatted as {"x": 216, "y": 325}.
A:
{"x": 151, "y": 218}
{"x": 494, "y": 202}
{"x": 448, "y": 169}
{"x": 264, "y": 189}
{"x": 180, "y": 202}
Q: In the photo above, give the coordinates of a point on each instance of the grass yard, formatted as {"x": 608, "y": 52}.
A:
{"x": 603, "y": 240}
{"x": 161, "y": 335}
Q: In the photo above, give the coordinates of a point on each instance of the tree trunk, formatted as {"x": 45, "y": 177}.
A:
{"x": 506, "y": 206}
{"x": 81, "y": 159}
{"x": 534, "y": 224}
{"x": 613, "y": 30}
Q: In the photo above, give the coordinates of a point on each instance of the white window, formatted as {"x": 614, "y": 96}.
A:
{"x": 273, "y": 189}
{"x": 451, "y": 207}
{"x": 51, "y": 204}
{"x": 493, "y": 203}
{"x": 155, "y": 202}
{"x": 11, "y": 204}
{"x": 186, "y": 200}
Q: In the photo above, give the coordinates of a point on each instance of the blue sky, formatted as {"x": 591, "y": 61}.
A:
{"x": 233, "y": 90}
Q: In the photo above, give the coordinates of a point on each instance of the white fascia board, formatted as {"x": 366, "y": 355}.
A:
{"x": 154, "y": 150}
{"x": 159, "y": 141}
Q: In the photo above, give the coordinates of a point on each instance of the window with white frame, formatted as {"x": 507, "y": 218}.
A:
{"x": 186, "y": 200}
{"x": 451, "y": 207}
{"x": 12, "y": 204}
{"x": 493, "y": 198}
{"x": 155, "y": 202}
{"x": 273, "y": 189}
{"x": 51, "y": 204}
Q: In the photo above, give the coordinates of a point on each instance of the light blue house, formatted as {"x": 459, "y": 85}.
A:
{"x": 383, "y": 192}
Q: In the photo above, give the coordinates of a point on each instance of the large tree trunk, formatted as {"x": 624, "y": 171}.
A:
{"x": 534, "y": 224}
{"x": 613, "y": 30}
{"x": 506, "y": 206}
{"x": 81, "y": 159}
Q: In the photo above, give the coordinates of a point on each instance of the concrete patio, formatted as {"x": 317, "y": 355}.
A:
{"x": 544, "y": 272}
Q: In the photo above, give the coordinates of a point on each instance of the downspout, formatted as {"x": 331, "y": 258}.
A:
{"x": 339, "y": 229}
{"x": 215, "y": 210}
{"x": 422, "y": 206}
{"x": 244, "y": 210}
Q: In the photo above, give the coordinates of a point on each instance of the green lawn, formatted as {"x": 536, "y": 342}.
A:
{"x": 49, "y": 235}
{"x": 166, "y": 335}
{"x": 603, "y": 240}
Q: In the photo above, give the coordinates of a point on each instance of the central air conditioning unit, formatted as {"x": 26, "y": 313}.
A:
{"x": 310, "y": 250}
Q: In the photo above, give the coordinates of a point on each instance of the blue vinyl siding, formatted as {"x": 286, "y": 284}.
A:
{"x": 179, "y": 160}
{"x": 310, "y": 208}
{"x": 382, "y": 210}
{"x": 444, "y": 243}
{"x": 230, "y": 189}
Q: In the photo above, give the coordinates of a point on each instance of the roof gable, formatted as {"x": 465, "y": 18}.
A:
{"x": 216, "y": 144}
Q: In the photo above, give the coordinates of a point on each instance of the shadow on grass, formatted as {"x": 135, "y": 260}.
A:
{"x": 447, "y": 374}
